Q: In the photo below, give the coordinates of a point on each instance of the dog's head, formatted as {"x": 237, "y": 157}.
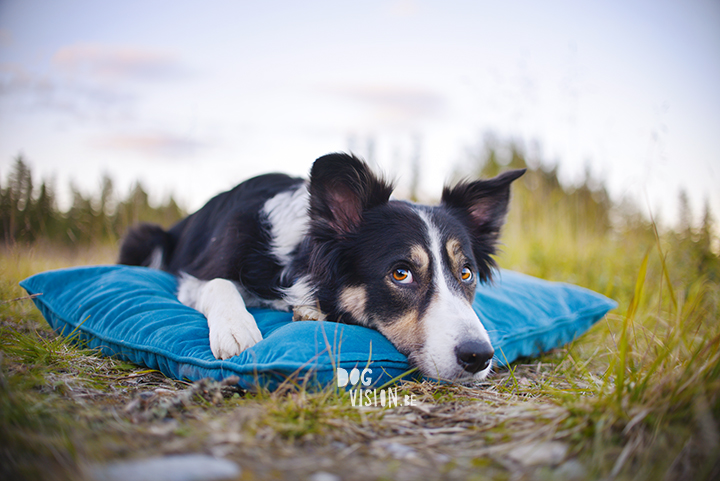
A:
{"x": 409, "y": 271}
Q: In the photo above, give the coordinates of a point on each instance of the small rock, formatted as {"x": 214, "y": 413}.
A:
{"x": 397, "y": 450}
{"x": 165, "y": 428}
{"x": 187, "y": 467}
{"x": 539, "y": 454}
{"x": 442, "y": 458}
{"x": 571, "y": 470}
{"x": 324, "y": 476}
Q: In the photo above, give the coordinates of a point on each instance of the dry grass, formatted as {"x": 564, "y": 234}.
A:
{"x": 637, "y": 398}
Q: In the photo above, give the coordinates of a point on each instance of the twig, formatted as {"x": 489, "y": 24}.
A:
{"x": 24, "y": 298}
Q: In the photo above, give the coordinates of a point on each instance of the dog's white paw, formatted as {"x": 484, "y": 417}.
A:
{"x": 231, "y": 335}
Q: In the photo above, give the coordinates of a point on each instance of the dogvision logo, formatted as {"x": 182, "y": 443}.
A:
{"x": 369, "y": 397}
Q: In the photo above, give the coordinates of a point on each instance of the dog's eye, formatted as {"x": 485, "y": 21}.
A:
{"x": 403, "y": 276}
{"x": 466, "y": 274}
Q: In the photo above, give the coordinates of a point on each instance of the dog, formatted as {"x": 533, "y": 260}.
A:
{"x": 339, "y": 248}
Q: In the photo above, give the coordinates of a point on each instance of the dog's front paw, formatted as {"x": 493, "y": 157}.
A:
{"x": 308, "y": 313}
{"x": 231, "y": 335}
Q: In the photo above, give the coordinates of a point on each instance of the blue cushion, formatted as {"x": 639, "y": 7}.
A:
{"x": 132, "y": 313}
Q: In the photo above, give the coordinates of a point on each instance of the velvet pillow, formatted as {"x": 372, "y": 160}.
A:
{"x": 132, "y": 313}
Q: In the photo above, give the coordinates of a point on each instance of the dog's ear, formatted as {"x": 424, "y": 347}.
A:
{"x": 342, "y": 187}
{"x": 483, "y": 204}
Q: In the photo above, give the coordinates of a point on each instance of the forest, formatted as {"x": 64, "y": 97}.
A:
{"x": 30, "y": 213}
{"x": 546, "y": 215}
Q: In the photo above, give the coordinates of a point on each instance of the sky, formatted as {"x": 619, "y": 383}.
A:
{"x": 193, "y": 97}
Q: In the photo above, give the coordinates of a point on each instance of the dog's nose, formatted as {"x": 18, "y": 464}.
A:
{"x": 474, "y": 356}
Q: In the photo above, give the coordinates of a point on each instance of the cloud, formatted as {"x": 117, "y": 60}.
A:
{"x": 28, "y": 91}
{"x": 398, "y": 103}
{"x": 155, "y": 145}
{"x": 110, "y": 63}
{"x": 87, "y": 81}
{"x": 15, "y": 78}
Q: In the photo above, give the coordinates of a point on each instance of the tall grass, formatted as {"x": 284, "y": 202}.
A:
{"x": 37, "y": 369}
{"x": 645, "y": 382}
{"x": 637, "y": 397}
{"x": 655, "y": 385}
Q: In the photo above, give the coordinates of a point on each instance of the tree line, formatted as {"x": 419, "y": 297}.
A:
{"x": 544, "y": 211}
{"x": 551, "y": 217}
{"x": 30, "y": 213}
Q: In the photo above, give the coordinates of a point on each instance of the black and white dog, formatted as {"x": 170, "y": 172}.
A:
{"x": 338, "y": 248}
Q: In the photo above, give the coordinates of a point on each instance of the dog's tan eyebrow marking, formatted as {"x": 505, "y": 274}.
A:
{"x": 455, "y": 253}
{"x": 420, "y": 257}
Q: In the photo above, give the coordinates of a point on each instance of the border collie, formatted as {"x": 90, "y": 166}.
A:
{"x": 338, "y": 248}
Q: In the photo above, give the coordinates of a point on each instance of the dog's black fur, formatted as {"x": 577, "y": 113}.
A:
{"x": 343, "y": 264}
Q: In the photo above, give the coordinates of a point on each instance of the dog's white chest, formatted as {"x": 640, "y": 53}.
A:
{"x": 287, "y": 213}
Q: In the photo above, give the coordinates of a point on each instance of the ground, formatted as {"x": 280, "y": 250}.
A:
{"x": 605, "y": 407}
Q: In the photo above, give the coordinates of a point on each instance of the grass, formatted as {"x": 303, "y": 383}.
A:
{"x": 638, "y": 397}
